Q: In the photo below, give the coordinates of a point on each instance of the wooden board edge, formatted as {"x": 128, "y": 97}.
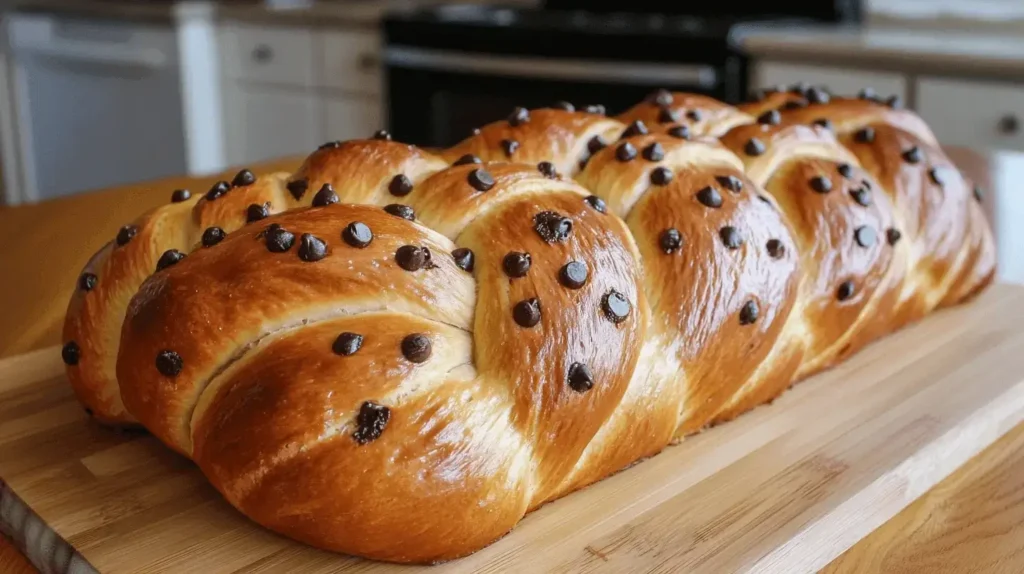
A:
{"x": 44, "y": 548}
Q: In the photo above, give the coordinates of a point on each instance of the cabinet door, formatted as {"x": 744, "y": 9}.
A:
{"x": 352, "y": 61}
{"x": 838, "y": 81}
{"x": 272, "y": 124}
{"x": 352, "y": 117}
{"x": 980, "y": 115}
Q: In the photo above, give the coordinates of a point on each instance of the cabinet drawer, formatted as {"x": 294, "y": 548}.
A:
{"x": 838, "y": 81}
{"x": 973, "y": 114}
{"x": 270, "y": 55}
{"x": 352, "y": 61}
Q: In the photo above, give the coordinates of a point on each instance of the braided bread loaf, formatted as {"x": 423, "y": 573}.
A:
{"x": 424, "y": 347}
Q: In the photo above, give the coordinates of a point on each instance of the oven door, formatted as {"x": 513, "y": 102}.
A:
{"x": 437, "y": 97}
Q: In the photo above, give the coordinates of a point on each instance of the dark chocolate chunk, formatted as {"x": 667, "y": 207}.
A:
{"x": 400, "y": 185}
{"x": 516, "y": 264}
{"x": 625, "y": 152}
{"x": 180, "y": 195}
{"x": 399, "y": 210}
{"x": 416, "y": 347}
{"x": 670, "y": 240}
{"x": 845, "y": 170}
{"x": 370, "y": 422}
{"x": 509, "y": 147}
{"x": 694, "y": 115}
{"x": 912, "y": 155}
{"x": 169, "y": 258}
{"x": 681, "y": 132}
{"x": 867, "y": 94}
{"x": 126, "y": 234}
{"x": 770, "y": 118}
{"x": 935, "y": 174}
{"x": 218, "y": 189}
{"x": 573, "y": 274}
{"x": 861, "y": 195}
{"x": 865, "y": 236}
{"x": 615, "y": 306}
{"x": 212, "y": 236}
{"x": 660, "y": 97}
{"x": 552, "y": 227}
{"x": 480, "y": 179}
{"x": 87, "y": 281}
{"x": 467, "y": 159}
{"x": 547, "y": 169}
{"x": 821, "y": 184}
{"x": 730, "y": 182}
{"x": 754, "y": 147}
{"x": 654, "y": 152}
{"x": 298, "y": 187}
{"x": 312, "y": 248}
{"x": 347, "y": 344}
{"x": 580, "y": 378}
{"x": 256, "y": 212}
{"x": 765, "y": 199}
{"x": 564, "y": 106}
{"x": 357, "y": 234}
{"x": 731, "y": 237}
{"x": 817, "y": 95}
{"x": 893, "y": 235}
{"x": 413, "y": 258}
{"x": 70, "y": 353}
{"x": 329, "y": 145}
{"x": 776, "y": 249}
{"x": 749, "y": 313}
{"x": 637, "y": 128}
{"x": 526, "y": 313}
{"x": 667, "y": 116}
{"x": 825, "y": 123}
{"x": 596, "y": 144}
{"x": 279, "y": 240}
{"x": 864, "y": 135}
{"x": 243, "y": 178}
{"x": 978, "y": 194}
{"x": 382, "y": 135}
{"x": 325, "y": 196}
{"x": 710, "y": 197}
{"x": 845, "y": 290}
{"x": 518, "y": 116}
{"x": 894, "y": 102}
{"x": 169, "y": 363}
{"x": 464, "y": 258}
{"x": 661, "y": 175}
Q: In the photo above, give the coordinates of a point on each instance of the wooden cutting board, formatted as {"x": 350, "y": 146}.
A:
{"x": 786, "y": 488}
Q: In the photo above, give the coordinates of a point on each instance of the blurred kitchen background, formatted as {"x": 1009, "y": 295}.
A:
{"x": 96, "y": 93}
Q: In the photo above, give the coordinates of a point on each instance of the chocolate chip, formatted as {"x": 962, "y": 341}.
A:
{"x": 730, "y": 182}
{"x": 312, "y": 248}
{"x": 573, "y": 274}
{"x": 765, "y": 199}
{"x": 596, "y": 144}
{"x": 256, "y": 212}
{"x": 893, "y": 235}
{"x": 845, "y": 290}
{"x": 865, "y": 135}
{"x": 817, "y": 96}
{"x": 912, "y": 155}
{"x": 180, "y": 195}
{"x": 580, "y": 378}
{"x": 681, "y": 132}
{"x": 370, "y": 422}
{"x": 399, "y": 210}
{"x": 564, "y": 106}
{"x": 595, "y": 109}
{"x": 845, "y": 170}
{"x": 347, "y": 344}
{"x": 243, "y": 178}
{"x": 413, "y": 258}
{"x": 509, "y": 146}
{"x": 464, "y": 258}
{"x": 661, "y": 176}
{"x": 547, "y": 169}
{"x": 670, "y": 240}
{"x": 212, "y": 236}
{"x": 660, "y": 97}
{"x": 625, "y": 152}
{"x": 169, "y": 363}
{"x": 865, "y": 236}
{"x": 416, "y": 347}
{"x": 597, "y": 203}
{"x": 861, "y": 195}
{"x": 382, "y": 135}
{"x": 667, "y": 116}
{"x": 400, "y": 185}
{"x": 754, "y": 147}
{"x": 825, "y": 123}
{"x": 978, "y": 194}
{"x": 770, "y": 118}
{"x": 710, "y": 197}
{"x": 799, "y": 88}
{"x": 776, "y": 249}
{"x": 731, "y": 237}
{"x": 329, "y": 145}
{"x": 637, "y": 128}
{"x": 654, "y": 152}
{"x": 615, "y": 306}
{"x": 821, "y": 184}
{"x": 583, "y": 163}
{"x": 867, "y": 94}
{"x": 279, "y": 240}
{"x": 749, "y": 313}
{"x": 552, "y": 227}
{"x": 526, "y": 313}
{"x": 298, "y": 188}
{"x": 70, "y": 353}
{"x": 357, "y": 234}
{"x": 126, "y": 234}
{"x": 936, "y": 175}
{"x": 516, "y": 264}
{"x": 694, "y": 115}
{"x": 87, "y": 281}
{"x": 218, "y": 189}
{"x": 480, "y": 179}
{"x": 894, "y": 102}
{"x": 518, "y": 116}
{"x": 467, "y": 159}
{"x": 325, "y": 196}
{"x": 169, "y": 258}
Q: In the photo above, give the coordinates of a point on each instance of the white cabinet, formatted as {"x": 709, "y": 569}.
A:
{"x": 282, "y": 56}
{"x": 981, "y": 115}
{"x": 352, "y": 61}
{"x": 273, "y": 124}
{"x": 352, "y": 118}
{"x": 839, "y": 81}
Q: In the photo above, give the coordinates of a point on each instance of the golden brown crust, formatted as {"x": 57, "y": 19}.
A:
{"x": 702, "y": 115}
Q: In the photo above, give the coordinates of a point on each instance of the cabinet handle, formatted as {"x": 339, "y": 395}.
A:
{"x": 368, "y": 62}
{"x": 262, "y": 53}
{"x": 1009, "y": 124}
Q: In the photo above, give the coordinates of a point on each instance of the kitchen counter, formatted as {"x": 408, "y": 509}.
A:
{"x": 973, "y": 520}
{"x": 942, "y": 51}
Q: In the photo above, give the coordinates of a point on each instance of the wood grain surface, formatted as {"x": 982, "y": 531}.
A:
{"x": 785, "y": 489}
